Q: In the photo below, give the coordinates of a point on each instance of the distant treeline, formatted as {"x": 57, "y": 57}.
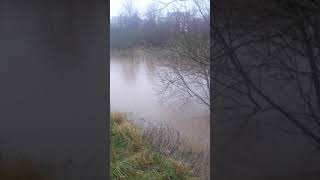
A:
{"x": 156, "y": 29}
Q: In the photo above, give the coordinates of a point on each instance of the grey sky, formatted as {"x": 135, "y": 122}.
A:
{"x": 142, "y": 5}
{"x": 115, "y": 6}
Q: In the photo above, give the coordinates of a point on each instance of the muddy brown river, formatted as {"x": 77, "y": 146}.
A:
{"x": 133, "y": 89}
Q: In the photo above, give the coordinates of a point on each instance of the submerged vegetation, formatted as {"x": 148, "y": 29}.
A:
{"x": 133, "y": 155}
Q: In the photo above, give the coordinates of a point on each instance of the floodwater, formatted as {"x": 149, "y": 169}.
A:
{"x": 133, "y": 89}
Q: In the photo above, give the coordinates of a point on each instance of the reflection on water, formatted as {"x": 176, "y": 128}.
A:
{"x": 127, "y": 70}
{"x": 132, "y": 90}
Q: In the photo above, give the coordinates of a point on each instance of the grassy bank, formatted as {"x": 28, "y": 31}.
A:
{"x": 132, "y": 156}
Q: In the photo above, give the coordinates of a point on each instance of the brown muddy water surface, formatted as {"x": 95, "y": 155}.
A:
{"x": 133, "y": 89}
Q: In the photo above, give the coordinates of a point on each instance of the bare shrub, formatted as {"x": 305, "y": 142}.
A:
{"x": 171, "y": 143}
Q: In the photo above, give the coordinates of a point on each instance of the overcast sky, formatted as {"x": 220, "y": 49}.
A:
{"x": 115, "y": 6}
{"x": 142, "y": 5}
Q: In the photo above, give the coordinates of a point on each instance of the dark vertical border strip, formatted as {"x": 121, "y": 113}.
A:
{"x": 107, "y": 25}
{"x": 211, "y": 95}
{"x": 55, "y": 88}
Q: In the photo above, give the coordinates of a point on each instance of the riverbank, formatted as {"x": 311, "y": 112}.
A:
{"x": 133, "y": 156}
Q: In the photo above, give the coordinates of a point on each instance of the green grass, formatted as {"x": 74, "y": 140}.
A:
{"x": 133, "y": 159}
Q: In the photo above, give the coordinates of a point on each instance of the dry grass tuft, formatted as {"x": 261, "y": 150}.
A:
{"x": 133, "y": 157}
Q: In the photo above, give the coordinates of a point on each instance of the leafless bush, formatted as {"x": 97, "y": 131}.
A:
{"x": 171, "y": 143}
{"x": 183, "y": 71}
{"x": 178, "y": 78}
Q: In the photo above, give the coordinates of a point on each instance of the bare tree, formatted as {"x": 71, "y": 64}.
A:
{"x": 128, "y": 8}
{"x": 266, "y": 55}
{"x": 185, "y": 71}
